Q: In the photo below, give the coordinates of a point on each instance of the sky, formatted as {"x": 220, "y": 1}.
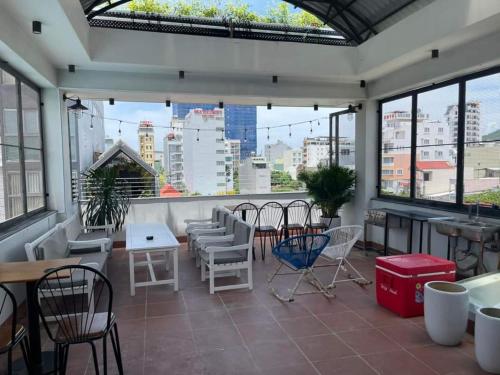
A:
{"x": 160, "y": 115}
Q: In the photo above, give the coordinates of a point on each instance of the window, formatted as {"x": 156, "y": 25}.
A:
{"x": 21, "y": 155}
{"x": 457, "y": 162}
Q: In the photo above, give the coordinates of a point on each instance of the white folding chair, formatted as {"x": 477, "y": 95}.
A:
{"x": 342, "y": 240}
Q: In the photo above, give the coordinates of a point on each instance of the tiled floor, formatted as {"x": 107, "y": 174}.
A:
{"x": 251, "y": 332}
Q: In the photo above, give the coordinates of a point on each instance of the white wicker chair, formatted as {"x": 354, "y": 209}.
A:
{"x": 342, "y": 240}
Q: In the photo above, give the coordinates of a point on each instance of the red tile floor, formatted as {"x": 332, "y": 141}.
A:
{"x": 250, "y": 332}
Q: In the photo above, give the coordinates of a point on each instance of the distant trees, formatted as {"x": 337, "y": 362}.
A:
{"x": 237, "y": 10}
{"x": 282, "y": 181}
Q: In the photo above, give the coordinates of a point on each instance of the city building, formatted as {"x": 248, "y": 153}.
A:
{"x": 234, "y": 147}
{"x": 108, "y": 143}
{"x": 255, "y": 176}
{"x": 275, "y": 151}
{"x": 315, "y": 151}
{"x": 204, "y": 153}
{"x": 291, "y": 160}
{"x": 240, "y": 123}
{"x": 147, "y": 142}
{"x": 472, "y": 122}
{"x": 172, "y": 155}
{"x": 395, "y": 173}
{"x": 435, "y": 179}
{"x": 159, "y": 160}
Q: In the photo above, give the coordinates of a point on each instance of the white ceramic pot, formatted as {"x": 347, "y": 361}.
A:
{"x": 487, "y": 339}
{"x": 331, "y": 222}
{"x": 446, "y": 308}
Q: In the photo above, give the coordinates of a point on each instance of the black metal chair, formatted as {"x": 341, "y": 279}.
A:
{"x": 78, "y": 319}
{"x": 248, "y": 212}
{"x": 313, "y": 222}
{"x": 11, "y": 332}
{"x": 269, "y": 220}
{"x": 295, "y": 218}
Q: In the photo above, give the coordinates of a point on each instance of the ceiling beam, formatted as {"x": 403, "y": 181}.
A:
{"x": 349, "y": 24}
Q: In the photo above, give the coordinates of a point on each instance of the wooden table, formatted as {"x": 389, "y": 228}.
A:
{"x": 29, "y": 273}
{"x": 163, "y": 241}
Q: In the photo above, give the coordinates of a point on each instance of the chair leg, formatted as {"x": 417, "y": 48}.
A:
{"x": 94, "y": 357}
{"x": 212, "y": 279}
{"x": 105, "y": 354}
{"x": 9, "y": 362}
{"x": 262, "y": 243}
{"x": 203, "y": 271}
{"x": 115, "y": 341}
{"x": 24, "y": 349}
{"x": 250, "y": 276}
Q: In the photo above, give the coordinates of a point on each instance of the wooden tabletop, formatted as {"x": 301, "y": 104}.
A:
{"x": 21, "y": 272}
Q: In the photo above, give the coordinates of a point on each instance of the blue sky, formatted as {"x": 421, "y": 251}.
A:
{"x": 160, "y": 115}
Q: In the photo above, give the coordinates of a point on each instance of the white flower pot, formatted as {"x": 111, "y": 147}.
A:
{"x": 446, "y": 308}
{"x": 331, "y": 222}
{"x": 487, "y": 339}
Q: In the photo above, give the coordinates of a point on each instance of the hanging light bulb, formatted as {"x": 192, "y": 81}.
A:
{"x": 350, "y": 116}
{"x": 310, "y": 127}
{"x": 77, "y": 108}
{"x": 91, "y": 121}
{"x": 245, "y": 139}
{"x": 120, "y": 128}
{"x": 197, "y": 135}
{"x": 222, "y": 135}
{"x": 318, "y": 123}
{"x": 290, "y": 131}
{"x": 268, "y": 133}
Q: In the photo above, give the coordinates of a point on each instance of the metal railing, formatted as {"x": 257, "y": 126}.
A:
{"x": 133, "y": 187}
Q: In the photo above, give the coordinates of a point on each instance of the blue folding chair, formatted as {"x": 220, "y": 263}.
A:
{"x": 299, "y": 253}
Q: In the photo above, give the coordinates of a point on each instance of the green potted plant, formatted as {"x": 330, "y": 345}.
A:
{"x": 330, "y": 187}
{"x": 108, "y": 200}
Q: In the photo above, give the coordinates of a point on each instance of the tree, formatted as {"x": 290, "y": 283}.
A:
{"x": 282, "y": 181}
{"x": 240, "y": 12}
{"x": 148, "y": 6}
{"x": 279, "y": 14}
{"x": 303, "y": 18}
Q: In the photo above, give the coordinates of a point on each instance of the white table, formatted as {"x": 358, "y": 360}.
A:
{"x": 163, "y": 242}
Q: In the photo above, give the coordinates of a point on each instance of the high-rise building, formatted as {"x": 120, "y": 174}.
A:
{"x": 172, "y": 155}
{"x": 255, "y": 176}
{"x": 291, "y": 160}
{"x": 234, "y": 147}
{"x": 472, "y": 122}
{"x": 275, "y": 151}
{"x": 204, "y": 152}
{"x": 147, "y": 142}
{"x": 240, "y": 122}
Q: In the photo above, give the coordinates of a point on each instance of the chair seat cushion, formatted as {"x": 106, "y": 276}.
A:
{"x": 6, "y": 336}
{"x": 83, "y": 327}
{"x": 223, "y": 257}
{"x": 100, "y": 258}
{"x": 317, "y": 225}
{"x": 90, "y": 236}
{"x": 293, "y": 226}
{"x": 265, "y": 228}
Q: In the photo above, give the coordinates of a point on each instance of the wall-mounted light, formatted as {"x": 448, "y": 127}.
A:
{"x": 316, "y": 107}
{"x": 221, "y": 105}
{"x": 167, "y": 103}
{"x": 435, "y": 54}
{"x": 111, "y": 101}
{"x": 269, "y": 106}
{"x": 275, "y": 79}
{"x": 71, "y": 68}
{"x": 36, "y": 27}
{"x": 77, "y": 108}
{"x": 362, "y": 83}
{"x": 181, "y": 74}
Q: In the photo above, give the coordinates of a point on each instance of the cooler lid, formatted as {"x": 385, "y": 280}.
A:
{"x": 415, "y": 264}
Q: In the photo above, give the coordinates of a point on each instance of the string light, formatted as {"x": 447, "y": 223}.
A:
{"x": 245, "y": 139}
{"x": 318, "y": 123}
{"x": 268, "y": 133}
{"x": 310, "y": 127}
{"x": 92, "y": 121}
{"x": 197, "y": 135}
{"x": 290, "y": 131}
{"x": 120, "y": 128}
{"x": 222, "y": 135}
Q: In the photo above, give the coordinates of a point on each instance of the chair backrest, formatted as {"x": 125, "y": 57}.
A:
{"x": 243, "y": 233}
{"x": 297, "y": 212}
{"x": 73, "y": 226}
{"x": 314, "y": 215}
{"x": 301, "y": 251}
{"x": 8, "y": 305}
{"x": 342, "y": 240}
{"x": 229, "y": 223}
{"x": 222, "y": 212}
{"x": 270, "y": 214}
{"x": 251, "y": 212}
{"x": 31, "y": 248}
{"x": 74, "y": 312}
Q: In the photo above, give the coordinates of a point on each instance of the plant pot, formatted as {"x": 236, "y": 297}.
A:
{"x": 446, "y": 308}
{"x": 487, "y": 339}
{"x": 331, "y": 222}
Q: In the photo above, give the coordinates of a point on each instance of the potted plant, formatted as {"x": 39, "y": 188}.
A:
{"x": 108, "y": 202}
{"x": 330, "y": 187}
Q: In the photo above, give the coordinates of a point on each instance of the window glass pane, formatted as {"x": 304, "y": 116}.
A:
{"x": 11, "y": 198}
{"x": 436, "y": 153}
{"x": 34, "y": 181}
{"x": 31, "y": 117}
{"x": 482, "y": 160}
{"x": 396, "y": 152}
{"x": 8, "y": 109}
{"x": 346, "y": 140}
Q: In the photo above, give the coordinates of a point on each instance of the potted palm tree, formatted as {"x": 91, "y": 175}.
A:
{"x": 330, "y": 187}
{"x": 108, "y": 200}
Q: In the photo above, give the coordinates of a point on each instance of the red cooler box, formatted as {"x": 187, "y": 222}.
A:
{"x": 401, "y": 279}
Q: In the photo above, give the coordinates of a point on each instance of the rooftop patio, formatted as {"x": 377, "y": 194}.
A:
{"x": 420, "y": 80}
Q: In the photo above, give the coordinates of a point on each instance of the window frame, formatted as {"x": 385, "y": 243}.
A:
{"x": 458, "y": 205}
{"x": 26, "y": 215}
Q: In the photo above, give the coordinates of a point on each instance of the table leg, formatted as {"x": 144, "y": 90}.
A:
{"x": 132, "y": 272}
{"x": 176, "y": 269}
{"x": 285, "y": 221}
{"x": 33, "y": 330}
{"x": 410, "y": 237}
{"x": 429, "y": 233}
{"x": 421, "y": 237}
{"x": 386, "y": 234}
{"x": 244, "y": 215}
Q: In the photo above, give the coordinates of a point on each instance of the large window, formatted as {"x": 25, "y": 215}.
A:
{"x": 21, "y": 155}
{"x": 440, "y": 145}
